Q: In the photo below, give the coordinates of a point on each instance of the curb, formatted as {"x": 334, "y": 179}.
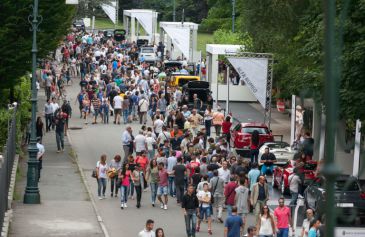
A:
{"x": 9, "y": 213}
{"x": 83, "y": 177}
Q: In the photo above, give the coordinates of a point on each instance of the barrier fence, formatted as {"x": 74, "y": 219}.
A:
{"x": 6, "y": 166}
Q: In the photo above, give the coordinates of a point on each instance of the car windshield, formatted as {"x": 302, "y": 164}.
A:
{"x": 278, "y": 145}
{"x": 341, "y": 185}
{"x": 251, "y": 129}
{"x": 147, "y": 50}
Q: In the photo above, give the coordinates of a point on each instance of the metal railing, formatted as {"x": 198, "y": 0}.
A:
{"x": 6, "y": 166}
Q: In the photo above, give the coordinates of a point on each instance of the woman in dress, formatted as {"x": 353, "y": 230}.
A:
{"x": 265, "y": 223}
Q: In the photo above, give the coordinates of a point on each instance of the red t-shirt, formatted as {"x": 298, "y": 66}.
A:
{"x": 142, "y": 161}
{"x": 226, "y": 126}
{"x": 282, "y": 215}
{"x": 163, "y": 175}
{"x": 191, "y": 166}
{"x": 229, "y": 192}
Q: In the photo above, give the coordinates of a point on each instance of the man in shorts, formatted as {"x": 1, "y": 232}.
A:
{"x": 117, "y": 102}
{"x": 205, "y": 198}
{"x": 162, "y": 185}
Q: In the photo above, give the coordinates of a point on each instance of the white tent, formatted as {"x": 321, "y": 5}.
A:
{"x": 146, "y": 18}
{"x": 183, "y": 37}
{"x": 111, "y": 10}
{"x": 236, "y": 92}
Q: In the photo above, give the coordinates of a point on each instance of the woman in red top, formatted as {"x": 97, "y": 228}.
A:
{"x": 226, "y": 128}
{"x": 254, "y": 146}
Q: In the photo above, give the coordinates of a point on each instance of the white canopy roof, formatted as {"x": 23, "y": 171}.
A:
{"x": 111, "y": 10}
{"x": 223, "y": 49}
{"x": 145, "y": 18}
{"x": 180, "y": 34}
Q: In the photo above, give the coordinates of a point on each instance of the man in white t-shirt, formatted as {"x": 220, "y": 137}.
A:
{"x": 148, "y": 231}
{"x": 205, "y": 198}
{"x": 117, "y": 102}
{"x": 224, "y": 172}
{"x": 143, "y": 108}
{"x": 158, "y": 124}
{"x": 140, "y": 143}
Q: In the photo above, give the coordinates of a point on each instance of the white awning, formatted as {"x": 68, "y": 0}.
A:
{"x": 111, "y": 10}
{"x": 180, "y": 38}
{"x": 146, "y": 20}
{"x": 254, "y": 72}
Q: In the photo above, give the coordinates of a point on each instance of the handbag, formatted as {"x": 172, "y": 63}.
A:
{"x": 93, "y": 174}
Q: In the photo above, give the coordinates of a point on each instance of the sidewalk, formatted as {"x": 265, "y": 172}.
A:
{"x": 66, "y": 208}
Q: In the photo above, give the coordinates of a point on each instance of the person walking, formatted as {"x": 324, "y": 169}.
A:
{"x": 136, "y": 179}
{"x": 229, "y": 193}
{"x": 205, "y": 199}
{"x": 39, "y": 129}
{"x": 143, "y": 105}
{"x": 124, "y": 177}
{"x": 180, "y": 173}
{"x": 233, "y": 226}
{"x": 226, "y": 128}
{"x": 314, "y": 226}
{"x": 59, "y": 122}
{"x": 217, "y": 188}
{"x": 162, "y": 185}
{"x": 148, "y": 230}
{"x": 171, "y": 162}
{"x": 190, "y": 206}
{"x": 127, "y": 142}
{"x": 48, "y": 112}
{"x": 294, "y": 185}
{"x": 114, "y": 168}
{"x": 40, "y": 154}
{"x": 208, "y": 117}
{"x": 117, "y": 105}
{"x": 151, "y": 145}
{"x": 283, "y": 219}
{"x": 242, "y": 200}
{"x": 153, "y": 177}
{"x": 306, "y": 222}
{"x": 265, "y": 223}
{"x": 159, "y": 232}
{"x": 218, "y": 118}
{"x": 101, "y": 174}
{"x": 254, "y": 146}
{"x": 253, "y": 175}
{"x": 259, "y": 194}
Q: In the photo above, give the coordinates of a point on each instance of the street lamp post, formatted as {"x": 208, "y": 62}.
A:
{"x": 173, "y": 10}
{"x": 233, "y": 13}
{"x": 31, "y": 195}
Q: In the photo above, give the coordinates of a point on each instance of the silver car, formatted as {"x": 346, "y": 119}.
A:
{"x": 282, "y": 151}
{"x": 148, "y": 53}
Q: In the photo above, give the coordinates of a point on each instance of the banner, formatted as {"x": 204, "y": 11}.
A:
{"x": 72, "y": 2}
{"x": 253, "y": 71}
{"x": 146, "y": 20}
{"x": 180, "y": 38}
{"x": 111, "y": 10}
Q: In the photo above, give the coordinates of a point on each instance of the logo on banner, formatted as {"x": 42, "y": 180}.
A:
{"x": 246, "y": 79}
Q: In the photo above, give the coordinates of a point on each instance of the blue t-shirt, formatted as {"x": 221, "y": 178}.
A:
{"x": 312, "y": 232}
{"x": 233, "y": 224}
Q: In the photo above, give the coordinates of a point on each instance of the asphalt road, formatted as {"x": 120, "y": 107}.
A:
{"x": 90, "y": 141}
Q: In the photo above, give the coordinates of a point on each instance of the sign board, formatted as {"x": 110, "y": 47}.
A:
{"x": 72, "y": 2}
{"x": 349, "y": 232}
{"x": 87, "y": 22}
{"x": 110, "y": 10}
{"x": 253, "y": 71}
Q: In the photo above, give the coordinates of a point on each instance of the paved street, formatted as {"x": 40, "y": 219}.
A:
{"x": 90, "y": 142}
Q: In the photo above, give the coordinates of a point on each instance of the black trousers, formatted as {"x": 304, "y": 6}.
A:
{"x": 139, "y": 194}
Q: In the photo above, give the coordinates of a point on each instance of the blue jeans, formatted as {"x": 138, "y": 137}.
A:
{"x": 294, "y": 198}
{"x": 106, "y": 116}
{"x": 265, "y": 168}
{"x": 124, "y": 194}
{"x": 283, "y": 232}
{"x": 154, "y": 187}
{"x": 59, "y": 140}
{"x": 190, "y": 222}
{"x": 125, "y": 115}
{"x": 229, "y": 210}
{"x": 101, "y": 185}
{"x": 151, "y": 154}
{"x": 172, "y": 190}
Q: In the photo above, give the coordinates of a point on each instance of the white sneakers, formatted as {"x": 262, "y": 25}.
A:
{"x": 165, "y": 207}
{"x": 162, "y": 206}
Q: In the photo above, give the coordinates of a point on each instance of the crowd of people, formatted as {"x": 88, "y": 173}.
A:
{"x": 175, "y": 155}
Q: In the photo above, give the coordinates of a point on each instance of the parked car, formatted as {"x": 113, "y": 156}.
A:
{"x": 349, "y": 198}
{"x": 282, "y": 173}
{"x": 79, "y": 24}
{"x": 148, "y": 53}
{"x": 281, "y": 150}
{"x": 241, "y": 136}
{"x": 201, "y": 88}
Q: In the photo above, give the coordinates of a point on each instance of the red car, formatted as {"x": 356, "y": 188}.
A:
{"x": 281, "y": 175}
{"x": 241, "y": 136}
